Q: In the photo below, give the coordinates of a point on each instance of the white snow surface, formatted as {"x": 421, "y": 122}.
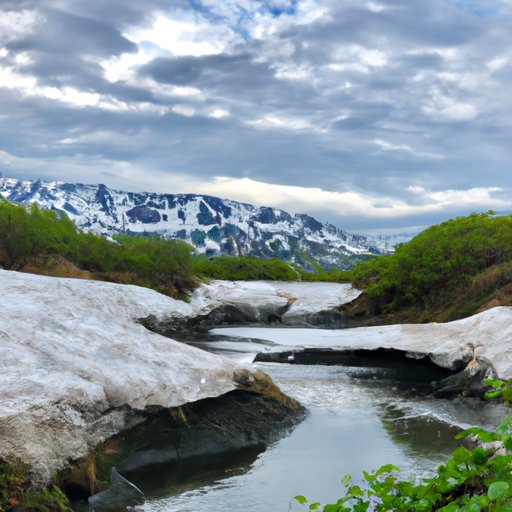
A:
{"x": 487, "y": 334}
{"x": 73, "y": 354}
{"x": 305, "y": 298}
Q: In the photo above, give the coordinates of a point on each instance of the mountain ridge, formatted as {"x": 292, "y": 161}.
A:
{"x": 212, "y": 225}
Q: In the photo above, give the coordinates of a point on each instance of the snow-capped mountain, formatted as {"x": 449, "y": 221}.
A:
{"x": 213, "y": 226}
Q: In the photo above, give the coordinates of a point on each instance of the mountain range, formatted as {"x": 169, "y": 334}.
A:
{"x": 211, "y": 225}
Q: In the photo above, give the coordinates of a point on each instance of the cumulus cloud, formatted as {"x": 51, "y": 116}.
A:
{"x": 358, "y": 111}
{"x": 16, "y": 24}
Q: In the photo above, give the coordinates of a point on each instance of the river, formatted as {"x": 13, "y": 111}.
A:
{"x": 359, "y": 418}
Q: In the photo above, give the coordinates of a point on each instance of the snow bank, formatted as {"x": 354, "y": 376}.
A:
{"x": 305, "y": 298}
{"x": 75, "y": 361}
{"x": 485, "y": 335}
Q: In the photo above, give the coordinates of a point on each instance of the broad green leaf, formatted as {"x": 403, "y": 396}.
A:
{"x": 493, "y": 394}
{"x": 495, "y": 383}
{"x": 505, "y": 427}
{"x": 498, "y": 490}
{"x": 387, "y": 468}
{"x": 478, "y": 432}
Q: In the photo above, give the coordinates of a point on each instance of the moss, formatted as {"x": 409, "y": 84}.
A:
{"x": 17, "y": 493}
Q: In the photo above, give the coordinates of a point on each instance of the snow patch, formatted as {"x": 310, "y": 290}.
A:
{"x": 485, "y": 335}
{"x": 74, "y": 360}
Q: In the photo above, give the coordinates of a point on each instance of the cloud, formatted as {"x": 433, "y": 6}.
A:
{"x": 28, "y": 85}
{"x": 346, "y": 204}
{"x": 387, "y": 146}
{"x": 444, "y": 108}
{"x": 279, "y": 122}
{"x": 16, "y": 24}
{"x": 184, "y": 33}
{"x": 391, "y": 110}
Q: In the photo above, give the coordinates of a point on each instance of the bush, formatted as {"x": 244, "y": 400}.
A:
{"x": 243, "y": 268}
{"x": 444, "y": 257}
{"x": 165, "y": 265}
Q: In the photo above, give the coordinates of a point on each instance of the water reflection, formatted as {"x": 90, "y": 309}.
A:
{"x": 171, "y": 479}
{"x": 419, "y": 434}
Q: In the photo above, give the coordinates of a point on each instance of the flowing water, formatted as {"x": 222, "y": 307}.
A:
{"x": 359, "y": 419}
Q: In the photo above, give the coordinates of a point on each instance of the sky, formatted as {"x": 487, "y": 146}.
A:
{"x": 376, "y": 116}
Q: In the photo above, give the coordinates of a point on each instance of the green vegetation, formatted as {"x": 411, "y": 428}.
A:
{"x": 16, "y": 494}
{"x": 476, "y": 480}
{"x": 243, "y": 268}
{"x": 445, "y": 272}
{"x": 38, "y": 240}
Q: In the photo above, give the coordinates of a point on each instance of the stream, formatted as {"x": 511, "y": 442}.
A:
{"x": 359, "y": 419}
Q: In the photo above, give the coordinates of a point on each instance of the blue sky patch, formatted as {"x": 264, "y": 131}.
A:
{"x": 481, "y": 8}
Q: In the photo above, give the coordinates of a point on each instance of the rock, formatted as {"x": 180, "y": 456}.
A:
{"x": 191, "y": 435}
{"x": 118, "y": 497}
{"x": 143, "y": 214}
{"x": 237, "y": 314}
{"x": 200, "y": 430}
{"x": 469, "y": 381}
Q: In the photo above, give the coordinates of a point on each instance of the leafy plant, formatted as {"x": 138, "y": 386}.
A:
{"x": 28, "y": 233}
{"x": 501, "y": 389}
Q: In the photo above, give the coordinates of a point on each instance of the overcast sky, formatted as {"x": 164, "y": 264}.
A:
{"x": 372, "y": 115}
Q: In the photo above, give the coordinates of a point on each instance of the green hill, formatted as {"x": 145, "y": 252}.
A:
{"x": 449, "y": 271}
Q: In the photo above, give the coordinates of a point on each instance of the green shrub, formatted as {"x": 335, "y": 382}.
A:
{"x": 444, "y": 257}
{"x": 165, "y": 265}
{"x": 243, "y": 268}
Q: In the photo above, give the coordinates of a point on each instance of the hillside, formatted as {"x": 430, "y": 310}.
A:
{"x": 44, "y": 242}
{"x": 449, "y": 271}
{"x": 211, "y": 225}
